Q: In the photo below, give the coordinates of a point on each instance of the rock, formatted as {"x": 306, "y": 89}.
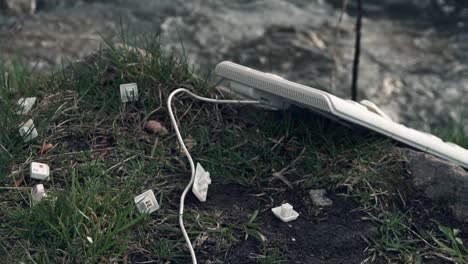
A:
{"x": 440, "y": 180}
{"x": 155, "y": 127}
{"x": 306, "y": 48}
{"x": 391, "y": 86}
{"x": 319, "y": 198}
{"x": 20, "y": 7}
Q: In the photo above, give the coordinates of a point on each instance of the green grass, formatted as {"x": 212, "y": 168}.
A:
{"x": 456, "y": 135}
{"x": 252, "y": 228}
{"x": 102, "y": 158}
{"x": 86, "y": 222}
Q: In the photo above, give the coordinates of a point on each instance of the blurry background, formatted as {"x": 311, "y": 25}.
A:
{"x": 414, "y": 58}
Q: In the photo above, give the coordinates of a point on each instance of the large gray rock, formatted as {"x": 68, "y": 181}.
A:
{"x": 440, "y": 181}
{"x": 410, "y": 55}
{"x": 19, "y": 7}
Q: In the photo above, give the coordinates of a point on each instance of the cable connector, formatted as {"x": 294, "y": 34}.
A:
{"x": 146, "y": 202}
{"x": 200, "y": 183}
{"x": 38, "y": 193}
{"x": 285, "y": 212}
{"x": 128, "y": 92}
{"x": 28, "y": 131}
{"x": 24, "y": 105}
{"x": 195, "y": 182}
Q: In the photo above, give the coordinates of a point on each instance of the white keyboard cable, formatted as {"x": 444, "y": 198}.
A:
{"x": 186, "y": 152}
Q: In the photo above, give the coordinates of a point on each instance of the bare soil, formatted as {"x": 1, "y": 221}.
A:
{"x": 330, "y": 235}
{"x": 334, "y": 234}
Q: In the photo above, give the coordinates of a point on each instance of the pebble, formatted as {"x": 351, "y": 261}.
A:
{"x": 20, "y": 7}
{"x": 319, "y": 198}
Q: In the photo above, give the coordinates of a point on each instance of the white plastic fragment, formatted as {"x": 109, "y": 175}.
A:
{"x": 200, "y": 184}
{"x": 146, "y": 202}
{"x": 285, "y": 212}
{"x": 38, "y": 193}
{"x": 24, "y": 105}
{"x": 128, "y": 92}
{"x": 28, "y": 131}
{"x": 40, "y": 171}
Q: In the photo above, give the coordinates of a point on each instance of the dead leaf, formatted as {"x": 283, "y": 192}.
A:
{"x": 155, "y": 127}
{"x": 19, "y": 181}
{"x": 190, "y": 142}
{"x": 46, "y": 147}
{"x": 280, "y": 176}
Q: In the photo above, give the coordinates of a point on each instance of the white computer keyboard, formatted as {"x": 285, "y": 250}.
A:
{"x": 277, "y": 92}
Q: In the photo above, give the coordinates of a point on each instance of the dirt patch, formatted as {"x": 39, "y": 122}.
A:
{"x": 91, "y": 140}
{"x": 75, "y": 142}
{"x": 331, "y": 235}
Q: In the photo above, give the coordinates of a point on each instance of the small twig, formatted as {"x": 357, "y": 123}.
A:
{"x": 15, "y": 188}
{"x": 279, "y": 174}
{"x": 6, "y": 80}
{"x": 6, "y": 151}
{"x": 277, "y": 142}
{"x": 334, "y": 46}
{"x": 186, "y": 112}
{"x": 155, "y": 110}
{"x": 119, "y": 163}
{"x": 357, "y": 52}
{"x": 27, "y": 253}
{"x": 294, "y": 161}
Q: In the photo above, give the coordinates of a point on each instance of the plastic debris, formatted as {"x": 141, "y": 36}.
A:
{"x": 128, "y": 92}
{"x": 285, "y": 212}
{"x": 200, "y": 183}
{"x": 28, "y": 131}
{"x": 38, "y": 193}
{"x": 146, "y": 202}
{"x": 39, "y": 171}
{"x": 24, "y": 105}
